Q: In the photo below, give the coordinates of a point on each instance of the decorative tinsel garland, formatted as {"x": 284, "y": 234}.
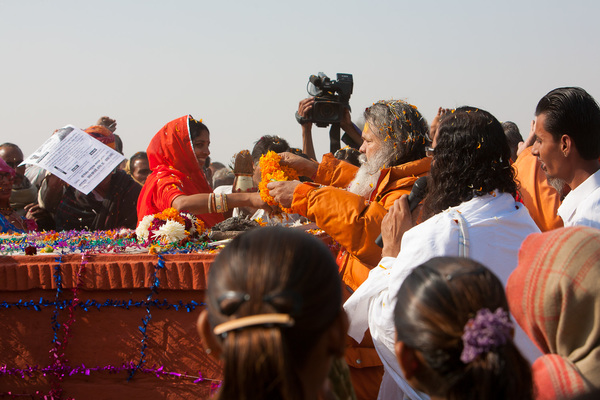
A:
{"x": 59, "y": 367}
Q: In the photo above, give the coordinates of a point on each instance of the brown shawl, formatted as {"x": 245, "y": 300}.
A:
{"x": 554, "y": 294}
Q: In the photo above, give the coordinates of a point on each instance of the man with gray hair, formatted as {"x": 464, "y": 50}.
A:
{"x": 349, "y": 203}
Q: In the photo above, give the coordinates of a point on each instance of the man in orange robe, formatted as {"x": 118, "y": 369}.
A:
{"x": 349, "y": 203}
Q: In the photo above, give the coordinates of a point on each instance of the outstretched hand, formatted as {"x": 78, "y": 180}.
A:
{"x": 255, "y": 201}
{"x": 303, "y": 166}
{"x": 397, "y": 221}
{"x": 283, "y": 191}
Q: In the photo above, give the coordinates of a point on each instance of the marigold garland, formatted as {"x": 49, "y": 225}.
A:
{"x": 272, "y": 171}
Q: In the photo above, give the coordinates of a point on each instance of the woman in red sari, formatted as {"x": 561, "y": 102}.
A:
{"x": 176, "y": 155}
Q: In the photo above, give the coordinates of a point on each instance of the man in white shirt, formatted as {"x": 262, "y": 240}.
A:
{"x": 472, "y": 213}
{"x": 567, "y": 130}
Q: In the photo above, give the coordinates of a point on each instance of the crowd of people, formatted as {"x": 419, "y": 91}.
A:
{"x": 507, "y": 229}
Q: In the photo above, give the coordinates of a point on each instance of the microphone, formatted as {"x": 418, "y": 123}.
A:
{"x": 418, "y": 192}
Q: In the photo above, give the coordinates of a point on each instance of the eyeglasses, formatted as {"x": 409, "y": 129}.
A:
{"x": 429, "y": 151}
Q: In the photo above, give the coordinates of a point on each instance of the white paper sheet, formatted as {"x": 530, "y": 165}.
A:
{"x": 76, "y": 158}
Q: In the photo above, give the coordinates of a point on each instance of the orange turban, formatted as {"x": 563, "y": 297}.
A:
{"x": 103, "y": 134}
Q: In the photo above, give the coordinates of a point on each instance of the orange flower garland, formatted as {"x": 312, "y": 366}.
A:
{"x": 271, "y": 171}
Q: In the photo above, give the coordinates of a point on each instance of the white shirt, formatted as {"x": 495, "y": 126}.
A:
{"x": 582, "y": 205}
{"x": 496, "y": 226}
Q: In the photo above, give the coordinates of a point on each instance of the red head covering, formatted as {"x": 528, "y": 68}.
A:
{"x": 4, "y": 167}
{"x": 554, "y": 294}
{"x": 175, "y": 171}
{"x": 103, "y": 134}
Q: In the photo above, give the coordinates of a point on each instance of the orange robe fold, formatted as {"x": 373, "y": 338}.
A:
{"x": 541, "y": 199}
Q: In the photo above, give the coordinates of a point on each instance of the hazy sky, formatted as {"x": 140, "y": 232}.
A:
{"x": 242, "y": 66}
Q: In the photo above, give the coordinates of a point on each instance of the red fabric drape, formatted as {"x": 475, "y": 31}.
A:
{"x": 175, "y": 171}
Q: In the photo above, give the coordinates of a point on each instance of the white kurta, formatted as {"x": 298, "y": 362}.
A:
{"x": 496, "y": 226}
{"x": 582, "y": 205}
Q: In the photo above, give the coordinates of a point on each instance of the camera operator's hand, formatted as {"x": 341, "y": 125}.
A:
{"x": 303, "y": 166}
{"x": 283, "y": 191}
{"x": 304, "y": 109}
{"x": 351, "y": 130}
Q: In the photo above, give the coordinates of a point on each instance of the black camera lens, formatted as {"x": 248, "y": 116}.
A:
{"x": 328, "y": 111}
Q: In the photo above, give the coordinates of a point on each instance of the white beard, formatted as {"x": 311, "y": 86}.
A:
{"x": 557, "y": 184}
{"x": 367, "y": 176}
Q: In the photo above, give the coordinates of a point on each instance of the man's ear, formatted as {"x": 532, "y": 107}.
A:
{"x": 407, "y": 358}
{"x": 210, "y": 343}
{"x": 566, "y": 145}
{"x": 337, "y": 334}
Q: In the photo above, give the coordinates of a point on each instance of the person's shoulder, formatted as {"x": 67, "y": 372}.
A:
{"x": 404, "y": 175}
{"x": 524, "y": 157}
{"x": 587, "y": 212}
{"x": 434, "y": 225}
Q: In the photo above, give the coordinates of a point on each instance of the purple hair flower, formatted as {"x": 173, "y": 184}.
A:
{"x": 485, "y": 332}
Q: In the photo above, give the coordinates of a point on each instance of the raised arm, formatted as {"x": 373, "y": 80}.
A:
{"x": 304, "y": 108}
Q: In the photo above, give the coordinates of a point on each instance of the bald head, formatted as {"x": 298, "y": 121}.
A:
{"x": 13, "y": 156}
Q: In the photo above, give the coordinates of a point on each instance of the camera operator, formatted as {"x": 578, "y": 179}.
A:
{"x": 304, "y": 111}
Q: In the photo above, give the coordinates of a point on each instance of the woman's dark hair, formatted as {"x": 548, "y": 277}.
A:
{"x": 402, "y": 128}
{"x": 433, "y": 305}
{"x": 572, "y": 111}
{"x": 471, "y": 158}
{"x": 196, "y": 127}
{"x": 272, "y": 270}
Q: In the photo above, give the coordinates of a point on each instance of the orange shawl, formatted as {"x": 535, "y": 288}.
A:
{"x": 175, "y": 171}
{"x": 541, "y": 199}
{"x": 555, "y": 296}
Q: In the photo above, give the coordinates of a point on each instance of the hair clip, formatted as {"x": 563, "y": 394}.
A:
{"x": 485, "y": 332}
{"x": 254, "y": 320}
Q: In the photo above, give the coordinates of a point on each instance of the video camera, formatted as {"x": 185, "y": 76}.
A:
{"x": 331, "y": 98}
